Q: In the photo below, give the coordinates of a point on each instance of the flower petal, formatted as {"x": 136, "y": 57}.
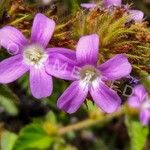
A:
{"x": 116, "y": 67}
{"x": 145, "y": 116}
{"x": 140, "y": 92}
{"x": 72, "y": 98}
{"x": 12, "y": 39}
{"x": 88, "y": 5}
{"x": 105, "y": 98}
{"x": 136, "y": 15}
{"x": 42, "y": 29}
{"x": 109, "y": 3}
{"x": 87, "y": 49}
{"x": 134, "y": 102}
{"x": 60, "y": 66}
{"x": 11, "y": 69}
{"x": 64, "y": 51}
{"x": 40, "y": 83}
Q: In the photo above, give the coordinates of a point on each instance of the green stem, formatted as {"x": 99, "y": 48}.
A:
{"x": 90, "y": 122}
{"x": 20, "y": 20}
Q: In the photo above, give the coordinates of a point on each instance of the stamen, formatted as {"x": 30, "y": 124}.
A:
{"x": 88, "y": 74}
{"x": 34, "y": 55}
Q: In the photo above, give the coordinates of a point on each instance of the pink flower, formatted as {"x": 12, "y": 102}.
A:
{"x": 30, "y": 55}
{"x": 89, "y": 78}
{"x": 88, "y": 5}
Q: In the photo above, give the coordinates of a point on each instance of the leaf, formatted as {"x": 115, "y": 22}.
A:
{"x": 51, "y": 117}
{"x": 138, "y": 134}
{"x": 8, "y": 100}
{"x": 8, "y": 140}
{"x": 33, "y": 137}
{"x": 90, "y": 105}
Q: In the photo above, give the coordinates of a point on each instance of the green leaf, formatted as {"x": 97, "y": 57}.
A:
{"x": 8, "y": 140}
{"x": 33, "y": 137}
{"x": 8, "y": 100}
{"x": 51, "y": 117}
{"x": 138, "y": 134}
{"x": 90, "y": 106}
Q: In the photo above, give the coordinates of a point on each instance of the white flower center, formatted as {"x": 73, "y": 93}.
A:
{"x": 34, "y": 55}
{"x": 146, "y": 104}
{"x": 88, "y": 75}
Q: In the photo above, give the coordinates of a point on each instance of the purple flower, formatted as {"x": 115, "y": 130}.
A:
{"x": 30, "y": 55}
{"x": 136, "y": 15}
{"x": 107, "y": 4}
{"x": 88, "y": 5}
{"x": 89, "y": 77}
{"x": 110, "y": 3}
{"x": 140, "y": 100}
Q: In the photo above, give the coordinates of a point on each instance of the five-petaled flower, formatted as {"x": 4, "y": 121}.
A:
{"x": 135, "y": 15}
{"x": 30, "y": 55}
{"x": 90, "y": 77}
{"x": 140, "y": 100}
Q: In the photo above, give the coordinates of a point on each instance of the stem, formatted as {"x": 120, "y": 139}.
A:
{"x": 90, "y": 122}
{"x": 20, "y": 20}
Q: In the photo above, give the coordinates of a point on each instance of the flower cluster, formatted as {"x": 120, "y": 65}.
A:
{"x": 80, "y": 66}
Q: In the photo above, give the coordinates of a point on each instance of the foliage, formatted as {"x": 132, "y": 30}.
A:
{"x": 32, "y": 136}
{"x": 8, "y": 100}
{"x": 8, "y": 140}
{"x": 138, "y": 134}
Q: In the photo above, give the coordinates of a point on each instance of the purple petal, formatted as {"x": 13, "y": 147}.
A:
{"x": 140, "y": 92}
{"x": 88, "y": 5}
{"x": 136, "y": 15}
{"x": 116, "y": 67}
{"x": 145, "y": 116}
{"x": 12, "y": 68}
{"x": 12, "y": 39}
{"x": 64, "y": 51}
{"x": 40, "y": 83}
{"x": 104, "y": 97}
{"x": 42, "y": 30}
{"x": 60, "y": 66}
{"x": 110, "y": 3}
{"x": 72, "y": 98}
{"x": 134, "y": 101}
{"x": 87, "y": 49}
